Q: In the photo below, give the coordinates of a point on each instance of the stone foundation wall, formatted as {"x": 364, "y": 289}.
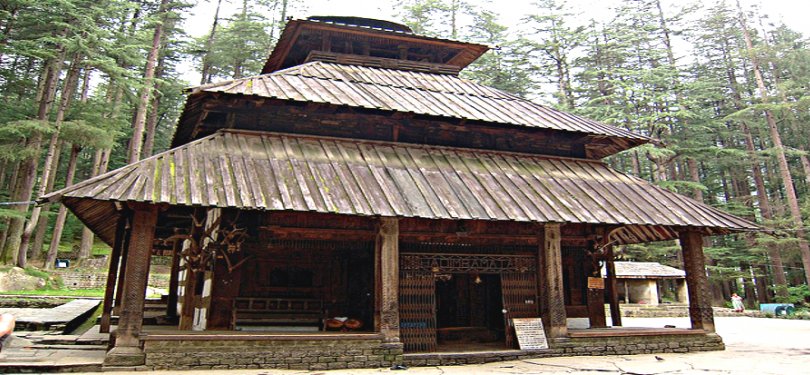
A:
{"x": 337, "y": 353}
{"x": 642, "y": 344}
{"x": 673, "y": 310}
{"x": 88, "y": 280}
{"x": 596, "y": 346}
{"x": 305, "y": 354}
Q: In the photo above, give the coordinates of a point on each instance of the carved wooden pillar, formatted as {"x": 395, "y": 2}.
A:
{"x": 127, "y": 350}
{"x": 612, "y": 288}
{"x": 387, "y": 259}
{"x": 700, "y": 308}
{"x": 552, "y": 274}
{"x": 121, "y": 240}
{"x": 190, "y": 275}
{"x": 595, "y": 289}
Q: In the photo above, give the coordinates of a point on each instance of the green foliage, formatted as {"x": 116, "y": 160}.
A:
{"x": 798, "y": 295}
{"x": 13, "y": 137}
{"x": 59, "y": 292}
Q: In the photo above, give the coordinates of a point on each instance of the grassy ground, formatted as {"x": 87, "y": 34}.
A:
{"x": 59, "y": 292}
{"x": 90, "y": 322}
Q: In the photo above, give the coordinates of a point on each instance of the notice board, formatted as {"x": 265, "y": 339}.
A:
{"x": 530, "y": 333}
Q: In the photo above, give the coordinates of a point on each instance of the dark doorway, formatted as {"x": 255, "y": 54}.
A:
{"x": 469, "y": 311}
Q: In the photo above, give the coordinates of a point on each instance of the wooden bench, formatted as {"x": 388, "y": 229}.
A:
{"x": 289, "y": 313}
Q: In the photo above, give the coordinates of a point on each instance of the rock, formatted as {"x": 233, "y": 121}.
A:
{"x": 17, "y": 279}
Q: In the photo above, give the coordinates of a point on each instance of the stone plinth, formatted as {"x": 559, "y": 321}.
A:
{"x": 316, "y": 352}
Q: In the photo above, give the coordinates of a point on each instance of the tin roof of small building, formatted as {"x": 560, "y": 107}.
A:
{"x": 646, "y": 270}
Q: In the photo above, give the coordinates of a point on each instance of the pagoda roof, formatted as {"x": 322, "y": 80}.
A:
{"x": 286, "y": 172}
{"x": 293, "y": 44}
{"x": 421, "y": 93}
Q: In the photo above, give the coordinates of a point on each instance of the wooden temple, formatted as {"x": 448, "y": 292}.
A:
{"x": 358, "y": 204}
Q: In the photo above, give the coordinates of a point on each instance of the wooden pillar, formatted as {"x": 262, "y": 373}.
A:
{"x": 700, "y": 308}
{"x": 595, "y": 290}
{"x": 552, "y": 274}
{"x": 171, "y": 303}
{"x": 196, "y": 232}
{"x": 612, "y": 288}
{"x": 121, "y": 239}
{"x": 387, "y": 259}
{"x": 189, "y": 294}
{"x": 122, "y": 274}
{"x": 112, "y": 273}
{"x": 127, "y": 350}
{"x": 626, "y": 291}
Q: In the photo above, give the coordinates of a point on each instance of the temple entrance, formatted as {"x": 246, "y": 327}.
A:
{"x": 464, "y": 302}
{"x": 469, "y": 311}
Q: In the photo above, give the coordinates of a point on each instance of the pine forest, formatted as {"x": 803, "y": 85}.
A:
{"x": 90, "y": 86}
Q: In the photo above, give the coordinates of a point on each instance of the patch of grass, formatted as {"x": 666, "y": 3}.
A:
{"x": 90, "y": 322}
{"x": 59, "y": 292}
{"x": 31, "y": 271}
{"x": 100, "y": 248}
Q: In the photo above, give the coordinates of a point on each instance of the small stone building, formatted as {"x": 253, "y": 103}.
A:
{"x": 359, "y": 204}
{"x": 648, "y": 283}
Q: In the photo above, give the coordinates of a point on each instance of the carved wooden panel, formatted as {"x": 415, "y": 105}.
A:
{"x": 519, "y": 292}
{"x": 464, "y": 263}
{"x": 417, "y": 311}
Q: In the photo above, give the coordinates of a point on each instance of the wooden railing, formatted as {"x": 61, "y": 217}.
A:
{"x": 249, "y": 311}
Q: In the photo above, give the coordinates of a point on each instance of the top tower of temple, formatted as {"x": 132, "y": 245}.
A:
{"x": 368, "y": 42}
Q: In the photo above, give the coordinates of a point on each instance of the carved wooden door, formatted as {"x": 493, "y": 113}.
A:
{"x": 519, "y": 291}
{"x": 417, "y": 311}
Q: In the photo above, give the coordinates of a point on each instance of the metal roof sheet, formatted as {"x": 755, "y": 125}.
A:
{"x": 647, "y": 270}
{"x": 411, "y": 92}
{"x": 271, "y": 171}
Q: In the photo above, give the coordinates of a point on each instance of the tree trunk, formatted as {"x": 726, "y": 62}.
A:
{"x": 763, "y": 202}
{"x": 42, "y": 227}
{"x": 51, "y": 158}
{"x": 59, "y": 226}
{"x": 776, "y": 138}
{"x": 209, "y": 42}
{"x": 135, "y": 144}
{"x": 28, "y": 168}
{"x": 86, "y": 245}
{"x": 154, "y": 111}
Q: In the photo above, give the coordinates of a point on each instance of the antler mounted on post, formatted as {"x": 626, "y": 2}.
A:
{"x": 205, "y": 240}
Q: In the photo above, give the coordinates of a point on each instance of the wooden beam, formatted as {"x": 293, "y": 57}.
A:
{"x": 289, "y": 232}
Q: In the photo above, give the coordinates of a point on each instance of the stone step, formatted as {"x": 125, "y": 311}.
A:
{"x": 60, "y": 318}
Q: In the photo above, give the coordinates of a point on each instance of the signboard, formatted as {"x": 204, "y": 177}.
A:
{"x": 596, "y": 283}
{"x": 530, "y": 333}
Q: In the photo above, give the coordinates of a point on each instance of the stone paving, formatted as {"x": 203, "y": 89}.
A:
{"x": 19, "y": 355}
{"x": 753, "y": 346}
{"x": 44, "y": 319}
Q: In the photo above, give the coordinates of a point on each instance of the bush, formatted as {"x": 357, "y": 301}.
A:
{"x": 797, "y": 295}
